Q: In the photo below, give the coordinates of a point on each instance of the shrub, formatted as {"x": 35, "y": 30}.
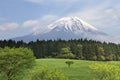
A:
{"x": 47, "y": 74}
{"x": 105, "y": 71}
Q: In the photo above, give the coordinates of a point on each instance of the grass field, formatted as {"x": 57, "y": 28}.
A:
{"x": 78, "y": 71}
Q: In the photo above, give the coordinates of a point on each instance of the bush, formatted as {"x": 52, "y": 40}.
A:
{"x": 47, "y": 74}
{"x": 105, "y": 71}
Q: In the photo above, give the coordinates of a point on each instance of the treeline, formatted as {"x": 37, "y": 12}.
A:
{"x": 77, "y": 49}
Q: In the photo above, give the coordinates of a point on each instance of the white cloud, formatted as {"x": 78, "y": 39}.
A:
{"x": 35, "y": 26}
{"x": 31, "y": 23}
{"x": 39, "y": 25}
{"x": 47, "y": 19}
{"x": 8, "y": 26}
{"x": 101, "y": 16}
{"x": 114, "y": 13}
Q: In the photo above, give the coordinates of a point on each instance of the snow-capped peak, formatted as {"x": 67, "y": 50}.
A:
{"x": 73, "y": 24}
{"x": 68, "y": 28}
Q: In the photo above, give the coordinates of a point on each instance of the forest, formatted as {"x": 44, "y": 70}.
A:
{"x": 82, "y": 49}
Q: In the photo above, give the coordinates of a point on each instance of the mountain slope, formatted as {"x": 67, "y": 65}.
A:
{"x": 67, "y": 28}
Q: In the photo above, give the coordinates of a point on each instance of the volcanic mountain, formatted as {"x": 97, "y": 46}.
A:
{"x": 67, "y": 28}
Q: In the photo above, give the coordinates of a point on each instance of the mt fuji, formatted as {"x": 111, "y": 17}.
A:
{"x": 67, "y": 28}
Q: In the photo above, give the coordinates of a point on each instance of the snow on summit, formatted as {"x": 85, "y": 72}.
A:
{"x": 72, "y": 24}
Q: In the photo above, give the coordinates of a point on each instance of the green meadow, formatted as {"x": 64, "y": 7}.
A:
{"x": 78, "y": 71}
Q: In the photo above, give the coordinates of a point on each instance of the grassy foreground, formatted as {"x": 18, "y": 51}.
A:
{"x": 78, "y": 71}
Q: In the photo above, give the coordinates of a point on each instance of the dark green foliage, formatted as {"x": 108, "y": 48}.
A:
{"x": 77, "y": 49}
{"x": 69, "y": 63}
{"x": 13, "y": 61}
{"x": 80, "y": 49}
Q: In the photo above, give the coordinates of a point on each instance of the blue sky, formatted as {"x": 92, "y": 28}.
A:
{"x": 22, "y": 17}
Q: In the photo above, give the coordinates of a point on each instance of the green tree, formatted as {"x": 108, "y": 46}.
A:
{"x": 105, "y": 71}
{"x": 100, "y": 53}
{"x": 46, "y": 73}
{"x": 69, "y": 63}
{"x": 78, "y": 51}
{"x": 66, "y": 53}
{"x": 13, "y": 61}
